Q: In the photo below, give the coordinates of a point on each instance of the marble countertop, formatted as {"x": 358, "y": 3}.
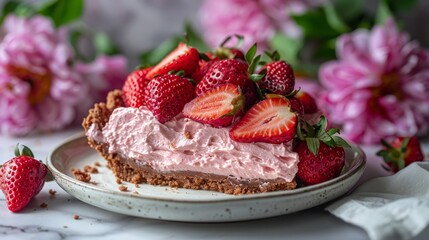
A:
{"x": 54, "y": 217}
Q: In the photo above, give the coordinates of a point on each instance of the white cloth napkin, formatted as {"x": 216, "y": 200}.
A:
{"x": 393, "y": 207}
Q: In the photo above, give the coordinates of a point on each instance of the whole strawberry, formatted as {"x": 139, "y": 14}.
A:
{"x": 133, "y": 89}
{"x": 166, "y": 95}
{"x": 224, "y": 71}
{"x": 401, "y": 152}
{"x": 183, "y": 58}
{"x": 22, "y": 178}
{"x": 308, "y": 102}
{"x": 321, "y": 153}
{"x": 279, "y": 78}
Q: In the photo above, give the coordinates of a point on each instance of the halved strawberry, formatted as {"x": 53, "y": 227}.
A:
{"x": 183, "y": 58}
{"x": 217, "y": 107}
{"x": 133, "y": 89}
{"x": 270, "y": 120}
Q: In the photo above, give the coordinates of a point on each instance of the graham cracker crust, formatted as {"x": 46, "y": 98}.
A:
{"x": 128, "y": 170}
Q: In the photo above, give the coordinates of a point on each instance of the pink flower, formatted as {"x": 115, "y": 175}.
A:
{"x": 102, "y": 75}
{"x": 379, "y": 86}
{"x": 40, "y": 87}
{"x": 256, "y": 20}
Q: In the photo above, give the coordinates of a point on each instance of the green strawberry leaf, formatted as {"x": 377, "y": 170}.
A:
{"x": 299, "y": 131}
{"x": 27, "y": 152}
{"x": 341, "y": 142}
{"x": 17, "y": 152}
{"x": 404, "y": 144}
{"x": 256, "y": 77}
{"x": 401, "y": 164}
{"x": 332, "y": 131}
{"x": 250, "y": 54}
{"x": 313, "y": 145}
{"x": 254, "y": 64}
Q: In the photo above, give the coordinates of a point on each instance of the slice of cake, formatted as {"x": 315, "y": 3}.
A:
{"x": 230, "y": 130}
{"x": 185, "y": 153}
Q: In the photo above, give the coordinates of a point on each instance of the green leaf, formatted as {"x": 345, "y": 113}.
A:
{"x": 332, "y": 131}
{"x": 313, "y": 145}
{"x": 401, "y": 164}
{"x": 288, "y": 48}
{"x": 333, "y": 19}
{"x": 62, "y": 12}
{"x": 349, "y": 9}
{"x": 314, "y": 24}
{"x": 104, "y": 45}
{"x": 254, "y": 64}
{"x": 256, "y": 77}
{"x": 17, "y": 152}
{"x": 383, "y": 12}
{"x": 250, "y": 54}
{"x": 27, "y": 152}
{"x": 341, "y": 142}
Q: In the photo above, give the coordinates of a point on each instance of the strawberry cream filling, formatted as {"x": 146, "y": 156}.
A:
{"x": 186, "y": 145}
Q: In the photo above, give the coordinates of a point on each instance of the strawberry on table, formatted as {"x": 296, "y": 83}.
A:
{"x": 218, "y": 107}
{"x": 401, "y": 152}
{"x": 166, "y": 95}
{"x": 22, "y": 178}
{"x": 270, "y": 120}
{"x": 183, "y": 58}
{"x": 321, "y": 153}
{"x": 133, "y": 89}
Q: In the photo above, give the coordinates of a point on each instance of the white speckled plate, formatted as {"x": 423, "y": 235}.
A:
{"x": 167, "y": 203}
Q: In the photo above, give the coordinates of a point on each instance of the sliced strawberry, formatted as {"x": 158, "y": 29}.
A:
{"x": 133, "y": 89}
{"x": 217, "y": 107}
{"x": 270, "y": 120}
{"x": 166, "y": 95}
{"x": 183, "y": 58}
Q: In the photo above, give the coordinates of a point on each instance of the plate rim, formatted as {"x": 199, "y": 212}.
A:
{"x": 267, "y": 195}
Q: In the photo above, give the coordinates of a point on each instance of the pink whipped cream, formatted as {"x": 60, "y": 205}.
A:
{"x": 186, "y": 145}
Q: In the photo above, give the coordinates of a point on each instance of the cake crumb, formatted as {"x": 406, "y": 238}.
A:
{"x": 76, "y": 217}
{"x": 97, "y": 164}
{"x": 43, "y": 205}
{"x": 90, "y": 169}
{"x": 188, "y": 135}
{"x": 136, "y": 193}
{"x": 136, "y": 185}
{"x": 65, "y": 226}
{"x": 52, "y": 193}
{"x": 118, "y": 180}
{"x": 123, "y": 188}
{"x": 81, "y": 176}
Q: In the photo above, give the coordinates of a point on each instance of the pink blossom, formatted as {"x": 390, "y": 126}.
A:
{"x": 256, "y": 20}
{"x": 40, "y": 87}
{"x": 379, "y": 86}
{"x": 102, "y": 75}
